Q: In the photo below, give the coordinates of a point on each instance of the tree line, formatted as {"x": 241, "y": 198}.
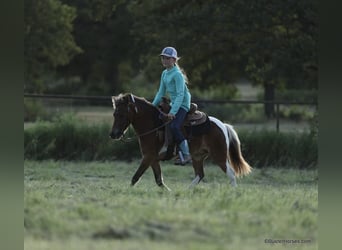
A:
{"x": 108, "y": 46}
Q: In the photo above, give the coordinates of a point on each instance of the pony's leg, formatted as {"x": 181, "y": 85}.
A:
{"x": 231, "y": 174}
{"x": 199, "y": 172}
{"x": 225, "y": 166}
{"x": 158, "y": 175}
{"x": 145, "y": 163}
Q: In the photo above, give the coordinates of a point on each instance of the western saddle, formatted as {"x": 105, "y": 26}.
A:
{"x": 194, "y": 116}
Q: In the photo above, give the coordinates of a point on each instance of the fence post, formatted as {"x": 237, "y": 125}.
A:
{"x": 277, "y": 117}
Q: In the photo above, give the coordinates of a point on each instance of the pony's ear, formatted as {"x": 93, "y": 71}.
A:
{"x": 130, "y": 98}
{"x": 131, "y": 103}
{"x": 113, "y": 101}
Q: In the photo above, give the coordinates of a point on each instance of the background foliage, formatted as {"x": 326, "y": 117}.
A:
{"x": 69, "y": 139}
{"x": 106, "y": 46}
{"x": 49, "y": 41}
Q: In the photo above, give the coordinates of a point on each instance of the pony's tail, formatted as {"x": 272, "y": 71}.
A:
{"x": 236, "y": 159}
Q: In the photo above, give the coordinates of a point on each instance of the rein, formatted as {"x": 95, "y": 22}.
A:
{"x": 146, "y": 133}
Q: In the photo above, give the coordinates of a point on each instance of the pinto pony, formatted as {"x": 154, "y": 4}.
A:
{"x": 221, "y": 143}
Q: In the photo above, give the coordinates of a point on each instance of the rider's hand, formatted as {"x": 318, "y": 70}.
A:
{"x": 170, "y": 117}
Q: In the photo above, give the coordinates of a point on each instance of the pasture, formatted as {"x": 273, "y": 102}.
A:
{"x": 91, "y": 205}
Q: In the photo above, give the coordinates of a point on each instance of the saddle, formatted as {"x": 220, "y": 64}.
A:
{"x": 196, "y": 122}
{"x": 194, "y": 116}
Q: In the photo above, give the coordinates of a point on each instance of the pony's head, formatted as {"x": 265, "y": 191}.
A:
{"x": 124, "y": 109}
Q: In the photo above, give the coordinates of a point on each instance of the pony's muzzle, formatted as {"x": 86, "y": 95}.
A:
{"x": 115, "y": 134}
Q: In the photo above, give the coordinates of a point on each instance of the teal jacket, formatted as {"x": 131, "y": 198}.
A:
{"x": 172, "y": 83}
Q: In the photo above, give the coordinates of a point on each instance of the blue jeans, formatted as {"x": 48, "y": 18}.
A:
{"x": 176, "y": 125}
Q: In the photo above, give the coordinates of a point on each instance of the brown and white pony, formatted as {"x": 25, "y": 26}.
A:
{"x": 221, "y": 143}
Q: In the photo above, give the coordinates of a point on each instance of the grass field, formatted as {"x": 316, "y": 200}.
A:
{"x": 74, "y": 205}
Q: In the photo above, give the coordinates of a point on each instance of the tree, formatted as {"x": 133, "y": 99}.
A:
{"x": 48, "y": 40}
{"x": 102, "y": 31}
{"x": 274, "y": 43}
{"x": 280, "y": 45}
{"x": 201, "y": 32}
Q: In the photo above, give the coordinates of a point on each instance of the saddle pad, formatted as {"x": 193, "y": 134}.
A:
{"x": 199, "y": 129}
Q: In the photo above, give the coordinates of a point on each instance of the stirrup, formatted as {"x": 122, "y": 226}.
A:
{"x": 182, "y": 160}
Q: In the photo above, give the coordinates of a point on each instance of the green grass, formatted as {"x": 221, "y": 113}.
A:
{"x": 91, "y": 205}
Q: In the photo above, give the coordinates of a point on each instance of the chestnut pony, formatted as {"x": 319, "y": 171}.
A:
{"x": 221, "y": 143}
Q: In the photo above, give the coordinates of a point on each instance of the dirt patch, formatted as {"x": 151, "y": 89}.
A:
{"x": 112, "y": 233}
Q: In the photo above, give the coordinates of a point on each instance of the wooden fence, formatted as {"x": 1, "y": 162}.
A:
{"x": 107, "y": 100}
